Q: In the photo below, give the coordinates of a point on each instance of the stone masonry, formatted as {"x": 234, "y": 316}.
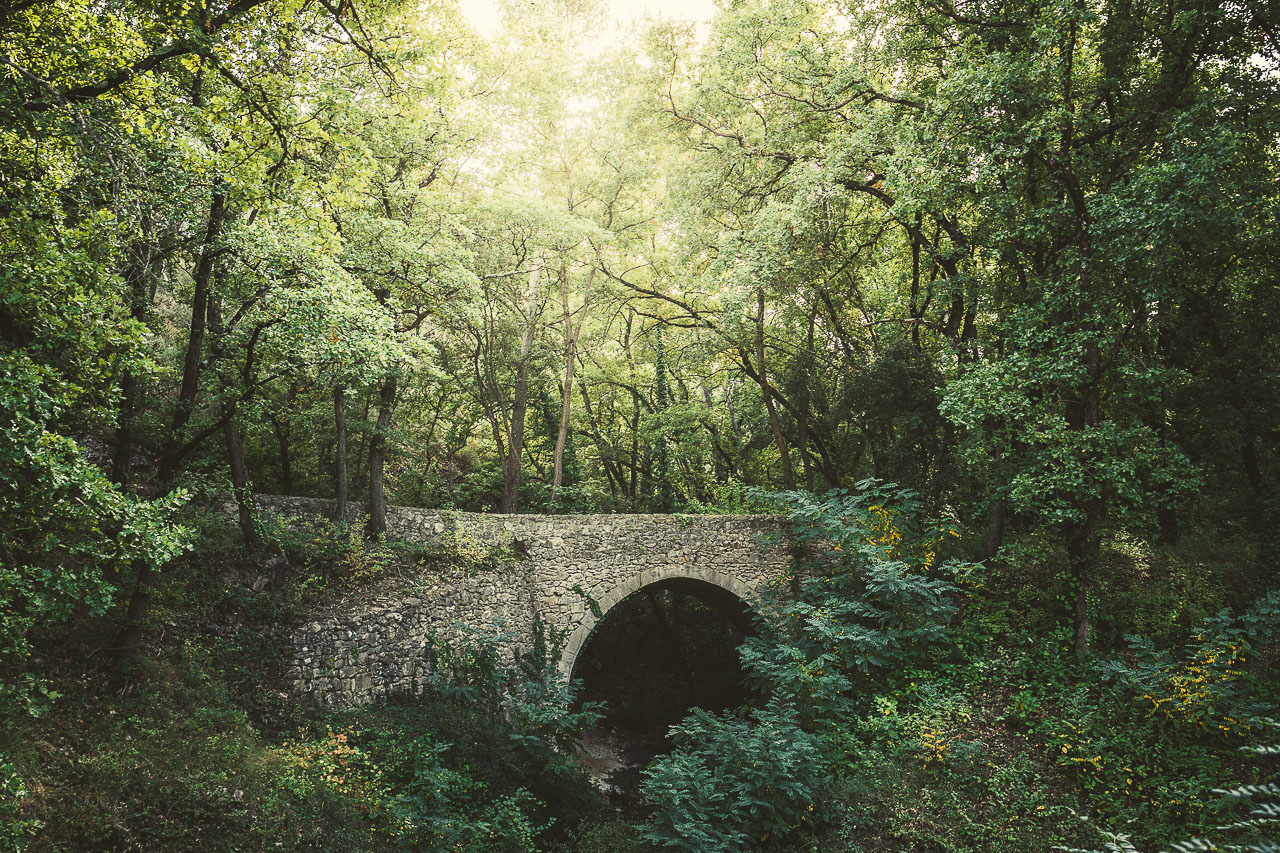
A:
{"x": 564, "y": 565}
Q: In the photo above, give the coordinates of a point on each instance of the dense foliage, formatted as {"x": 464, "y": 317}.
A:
{"x": 1018, "y": 257}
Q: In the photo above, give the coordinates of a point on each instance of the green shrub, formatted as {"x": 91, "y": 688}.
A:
{"x": 734, "y": 782}
{"x": 872, "y": 594}
{"x": 15, "y": 831}
{"x": 68, "y": 535}
{"x": 1251, "y": 811}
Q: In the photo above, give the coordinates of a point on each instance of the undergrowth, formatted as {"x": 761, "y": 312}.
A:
{"x": 908, "y": 699}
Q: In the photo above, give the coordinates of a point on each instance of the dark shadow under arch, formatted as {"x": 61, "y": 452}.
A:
{"x": 736, "y": 611}
{"x": 724, "y": 592}
{"x": 664, "y": 649}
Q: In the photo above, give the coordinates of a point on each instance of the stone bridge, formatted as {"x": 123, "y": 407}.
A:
{"x": 570, "y": 570}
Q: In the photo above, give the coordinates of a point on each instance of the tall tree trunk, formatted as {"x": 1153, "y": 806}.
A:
{"x": 664, "y": 494}
{"x": 802, "y": 417}
{"x": 733, "y": 414}
{"x": 340, "y": 454}
{"x": 633, "y": 483}
{"x": 719, "y": 463}
{"x": 775, "y": 424}
{"x": 377, "y": 458}
{"x": 995, "y": 530}
{"x": 142, "y": 270}
{"x": 130, "y": 636}
{"x": 122, "y": 453}
{"x": 1083, "y": 548}
{"x": 566, "y": 392}
{"x": 240, "y": 476}
{"x": 240, "y": 485}
{"x": 1166, "y": 516}
{"x": 191, "y": 363}
{"x": 610, "y": 466}
{"x": 361, "y": 486}
{"x": 282, "y": 448}
{"x": 633, "y": 477}
{"x": 1084, "y": 412}
{"x": 1083, "y": 536}
{"x": 916, "y": 313}
{"x": 511, "y": 467}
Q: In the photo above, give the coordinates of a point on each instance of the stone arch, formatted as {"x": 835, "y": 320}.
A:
{"x": 577, "y": 640}
{"x": 363, "y": 650}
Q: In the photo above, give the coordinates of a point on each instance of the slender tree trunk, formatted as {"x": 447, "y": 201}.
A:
{"x": 240, "y": 485}
{"x": 610, "y": 467}
{"x": 1083, "y": 548}
{"x": 1252, "y": 470}
{"x": 718, "y": 462}
{"x": 361, "y": 486}
{"x": 802, "y": 441}
{"x": 664, "y": 493}
{"x": 282, "y": 448}
{"x": 995, "y": 530}
{"x": 122, "y": 453}
{"x": 191, "y": 364}
{"x": 775, "y": 424}
{"x": 802, "y": 418}
{"x": 240, "y": 476}
{"x": 633, "y": 484}
{"x": 612, "y": 481}
{"x": 130, "y": 636}
{"x": 916, "y": 313}
{"x": 340, "y": 455}
{"x": 1084, "y": 535}
{"x": 566, "y": 392}
{"x": 377, "y": 458}
{"x": 142, "y": 270}
{"x": 511, "y": 466}
{"x": 733, "y": 414}
{"x": 1166, "y": 516}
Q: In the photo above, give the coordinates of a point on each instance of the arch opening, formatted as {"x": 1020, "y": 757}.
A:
{"x": 663, "y": 649}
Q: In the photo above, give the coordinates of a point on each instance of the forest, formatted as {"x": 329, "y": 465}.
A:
{"x": 976, "y": 293}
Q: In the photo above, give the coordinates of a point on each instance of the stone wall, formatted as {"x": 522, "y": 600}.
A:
{"x": 563, "y": 563}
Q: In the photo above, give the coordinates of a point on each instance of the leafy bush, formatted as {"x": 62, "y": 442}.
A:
{"x": 69, "y": 533}
{"x": 491, "y": 721}
{"x": 730, "y": 498}
{"x": 733, "y": 782}
{"x": 1255, "y": 831}
{"x": 15, "y": 831}
{"x": 1204, "y": 688}
{"x": 871, "y": 594}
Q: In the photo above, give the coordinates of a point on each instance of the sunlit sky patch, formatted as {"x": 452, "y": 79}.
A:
{"x": 484, "y": 16}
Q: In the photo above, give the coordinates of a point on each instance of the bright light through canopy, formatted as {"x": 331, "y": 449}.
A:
{"x": 485, "y": 17}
